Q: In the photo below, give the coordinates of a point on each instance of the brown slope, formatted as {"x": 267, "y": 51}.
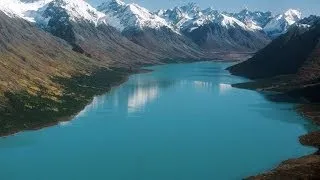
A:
{"x": 107, "y": 44}
{"x": 30, "y": 56}
{"x": 43, "y": 79}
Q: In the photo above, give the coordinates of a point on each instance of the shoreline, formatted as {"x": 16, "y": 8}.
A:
{"x": 69, "y": 118}
{"x": 72, "y": 116}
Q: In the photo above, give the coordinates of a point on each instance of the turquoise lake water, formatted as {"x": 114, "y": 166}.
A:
{"x": 180, "y": 122}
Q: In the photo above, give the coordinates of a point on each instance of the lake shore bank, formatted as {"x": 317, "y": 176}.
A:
{"x": 54, "y": 117}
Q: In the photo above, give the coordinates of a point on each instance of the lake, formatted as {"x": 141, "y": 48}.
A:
{"x": 179, "y": 122}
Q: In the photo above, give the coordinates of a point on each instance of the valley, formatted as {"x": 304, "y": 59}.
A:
{"x": 56, "y": 56}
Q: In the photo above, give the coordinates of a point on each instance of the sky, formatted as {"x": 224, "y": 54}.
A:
{"x": 276, "y": 6}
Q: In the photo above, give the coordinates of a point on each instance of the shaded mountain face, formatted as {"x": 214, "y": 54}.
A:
{"x": 310, "y": 70}
{"x": 164, "y": 41}
{"x": 227, "y": 34}
{"x": 285, "y": 55}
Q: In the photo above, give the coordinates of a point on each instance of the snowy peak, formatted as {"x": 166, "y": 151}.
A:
{"x": 228, "y": 21}
{"x": 253, "y": 19}
{"x": 190, "y": 17}
{"x": 125, "y": 16}
{"x": 181, "y": 15}
{"x": 40, "y": 11}
{"x": 22, "y": 9}
{"x": 292, "y": 16}
{"x": 77, "y": 10}
{"x": 280, "y": 24}
{"x": 112, "y": 5}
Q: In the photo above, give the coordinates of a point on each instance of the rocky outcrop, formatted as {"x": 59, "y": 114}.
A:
{"x": 307, "y": 167}
{"x": 312, "y": 139}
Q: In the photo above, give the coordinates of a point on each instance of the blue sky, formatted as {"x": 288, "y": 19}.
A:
{"x": 306, "y": 6}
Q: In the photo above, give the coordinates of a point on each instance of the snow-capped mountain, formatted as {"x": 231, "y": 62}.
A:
{"x": 130, "y": 16}
{"x": 253, "y": 19}
{"x": 149, "y": 30}
{"x": 209, "y": 16}
{"x": 39, "y": 10}
{"x": 280, "y": 24}
{"x": 179, "y": 16}
{"x": 191, "y": 17}
{"x": 188, "y": 28}
{"x": 22, "y": 9}
{"x": 214, "y": 30}
{"x": 71, "y": 10}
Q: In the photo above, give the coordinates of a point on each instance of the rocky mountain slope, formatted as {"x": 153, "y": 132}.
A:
{"x": 85, "y": 29}
{"x": 149, "y": 30}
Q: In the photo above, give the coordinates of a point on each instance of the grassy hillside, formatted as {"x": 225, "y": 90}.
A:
{"x": 43, "y": 79}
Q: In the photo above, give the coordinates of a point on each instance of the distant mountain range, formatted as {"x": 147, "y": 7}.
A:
{"x": 189, "y": 26}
